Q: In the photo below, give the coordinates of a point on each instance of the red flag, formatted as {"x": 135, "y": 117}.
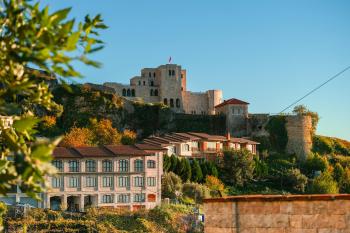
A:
{"x": 170, "y": 59}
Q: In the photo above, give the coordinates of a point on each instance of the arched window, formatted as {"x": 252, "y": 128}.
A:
{"x": 152, "y": 83}
{"x": 151, "y": 92}
{"x": 139, "y": 83}
{"x": 154, "y": 74}
{"x": 169, "y": 72}
{"x": 133, "y": 92}
{"x": 149, "y": 74}
{"x": 177, "y": 103}
{"x": 173, "y": 72}
{"x": 123, "y": 165}
{"x": 138, "y": 165}
{"x": 90, "y": 166}
{"x": 155, "y": 92}
{"x": 165, "y": 101}
{"x": 124, "y": 92}
{"x": 107, "y": 166}
{"x": 171, "y": 103}
{"x": 128, "y": 92}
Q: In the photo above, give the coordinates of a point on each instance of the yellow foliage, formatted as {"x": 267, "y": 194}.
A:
{"x": 129, "y": 137}
{"x": 49, "y": 121}
{"x": 78, "y": 137}
{"x": 215, "y": 184}
{"x": 104, "y": 133}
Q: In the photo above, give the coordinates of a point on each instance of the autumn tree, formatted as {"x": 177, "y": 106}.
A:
{"x": 104, "y": 133}
{"x": 32, "y": 36}
{"x": 217, "y": 188}
{"x": 128, "y": 137}
{"x": 78, "y": 137}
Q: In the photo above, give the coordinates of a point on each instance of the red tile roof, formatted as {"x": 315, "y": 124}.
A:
{"x": 231, "y": 101}
{"x": 93, "y": 151}
{"x": 62, "y": 152}
{"x": 126, "y": 150}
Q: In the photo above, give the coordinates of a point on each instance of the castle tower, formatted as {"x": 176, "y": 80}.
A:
{"x": 214, "y": 99}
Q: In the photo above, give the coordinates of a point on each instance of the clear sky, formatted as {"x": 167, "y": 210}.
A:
{"x": 268, "y": 53}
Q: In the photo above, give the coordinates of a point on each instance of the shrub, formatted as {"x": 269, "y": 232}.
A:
{"x": 197, "y": 174}
{"x": 196, "y": 191}
{"x": 171, "y": 185}
{"x": 78, "y": 137}
{"x": 296, "y": 180}
{"x": 217, "y": 188}
{"x": 315, "y": 162}
{"x": 128, "y": 137}
{"x": 324, "y": 184}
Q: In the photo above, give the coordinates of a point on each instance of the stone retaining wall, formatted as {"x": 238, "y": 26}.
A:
{"x": 278, "y": 214}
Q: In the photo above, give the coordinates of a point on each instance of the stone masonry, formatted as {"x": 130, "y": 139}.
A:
{"x": 278, "y": 214}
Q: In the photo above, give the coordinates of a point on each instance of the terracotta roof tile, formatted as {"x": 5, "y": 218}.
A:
{"x": 126, "y": 150}
{"x": 231, "y": 101}
{"x": 62, "y": 152}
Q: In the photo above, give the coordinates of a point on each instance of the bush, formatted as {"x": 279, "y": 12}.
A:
{"x": 296, "y": 180}
{"x": 324, "y": 184}
{"x": 315, "y": 162}
{"x": 171, "y": 185}
{"x": 196, "y": 191}
{"x": 217, "y": 188}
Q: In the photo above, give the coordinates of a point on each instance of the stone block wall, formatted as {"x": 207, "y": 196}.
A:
{"x": 278, "y": 214}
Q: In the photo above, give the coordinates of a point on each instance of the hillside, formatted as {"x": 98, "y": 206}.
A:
{"x": 330, "y": 145}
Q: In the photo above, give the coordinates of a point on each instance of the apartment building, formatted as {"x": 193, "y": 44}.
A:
{"x": 200, "y": 145}
{"x": 115, "y": 176}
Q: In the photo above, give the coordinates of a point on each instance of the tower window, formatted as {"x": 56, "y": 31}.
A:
{"x": 139, "y": 83}
{"x": 169, "y": 72}
{"x": 133, "y": 92}
{"x": 155, "y": 92}
{"x": 128, "y": 92}
{"x": 177, "y": 103}
{"x": 144, "y": 83}
{"x": 149, "y": 74}
{"x": 154, "y": 74}
{"x": 151, "y": 92}
{"x": 124, "y": 92}
{"x": 171, "y": 103}
{"x": 152, "y": 83}
{"x": 165, "y": 101}
{"x": 173, "y": 72}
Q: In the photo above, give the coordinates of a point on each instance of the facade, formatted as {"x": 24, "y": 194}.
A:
{"x": 167, "y": 84}
{"x": 200, "y": 145}
{"x": 117, "y": 176}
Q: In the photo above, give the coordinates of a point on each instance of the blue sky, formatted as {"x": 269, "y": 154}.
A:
{"x": 268, "y": 53}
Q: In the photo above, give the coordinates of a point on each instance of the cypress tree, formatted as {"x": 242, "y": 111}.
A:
{"x": 173, "y": 163}
{"x": 179, "y": 166}
{"x": 186, "y": 170}
{"x": 166, "y": 163}
{"x": 197, "y": 174}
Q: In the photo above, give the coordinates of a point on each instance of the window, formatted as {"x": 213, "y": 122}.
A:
{"x": 128, "y": 92}
{"x": 151, "y": 92}
{"x": 173, "y": 150}
{"x": 123, "y": 165}
{"x": 151, "y": 164}
{"x": 123, "y": 181}
{"x": 90, "y": 166}
{"x": 165, "y": 101}
{"x": 177, "y": 103}
{"x": 152, "y": 83}
{"x": 73, "y": 182}
{"x": 58, "y": 164}
{"x": 133, "y": 92}
{"x": 173, "y": 72}
{"x": 124, "y": 198}
{"x": 107, "y": 181}
{"x": 138, "y": 181}
{"x": 139, "y": 83}
{"x": 149, "y": 74}
{"x": 139, "y": 197}
{"x": 107, "y": 166}
{"x": 138, "y": 165}
{"x": 108, "y": 198}
{"x": 154, "y": 74}
{"x": 90, "y": 181}
{"x": 171, "y": 103}
{"x": 56, "y": 182}
{"x": 155, "y": 92}
{"x": 186, "y": 147}
{"x": 169, "y": 72}
{"x": 73, "y": 166}
{"x": 144, "y": 83}
{"x": 124, "y": 92}
{"x": 151, "y": 181}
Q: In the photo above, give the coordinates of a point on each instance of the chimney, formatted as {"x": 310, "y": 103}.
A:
{"x": 228, "y": 136}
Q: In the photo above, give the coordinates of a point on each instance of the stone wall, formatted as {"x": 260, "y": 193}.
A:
{"x": 278, "y": 214}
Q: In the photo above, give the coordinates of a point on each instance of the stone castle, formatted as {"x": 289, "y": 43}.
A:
{"x": 167, "y": 84}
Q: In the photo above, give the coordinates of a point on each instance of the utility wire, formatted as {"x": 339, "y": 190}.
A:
{"x": 315, "y": 89}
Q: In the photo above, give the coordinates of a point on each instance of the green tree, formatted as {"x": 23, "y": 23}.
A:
{"x": 173, "y": 163}
{"x": 166, "y": 163}
{"x": 32, "y": 36}
{"x": 237, "y": 167}
{"x": 197, "y": 174}
{"x": 171, "y": 185}
{"x": 196, "y": 191}
{"x": 186, "y": 170}
{"x": 296, "y": 180}
{"x": 345, "y": 181}
{"x": 324, "y": 184}
{"x": 314, "y": 162}
{"x": 304, "y": 111}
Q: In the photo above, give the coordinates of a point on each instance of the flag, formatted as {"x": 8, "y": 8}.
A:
{"x": 169, "y": 59}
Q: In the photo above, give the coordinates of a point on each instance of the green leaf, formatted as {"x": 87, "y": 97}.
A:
{"x": 72, "y": 41}
{"x": 42, "y": 152}
{"x": 25, "y": 124}
{"x": 60, "y": 15}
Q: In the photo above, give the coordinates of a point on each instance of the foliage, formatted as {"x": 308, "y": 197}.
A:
{"x": 314, "y": 163}
{"x": 78, "y": 137}
{"x": 328, "y": 145}
{"x": 31, "y": 36}
{"x": 261, "y": 168}
{"x": 104, "y": 133}
{"x": 197, "y": 174}
{"x": 237, "y": 167}
{"x": 276, "y": 127}
{"x": 209, "y": 169}
{"x": 166, "y": 163}
{"x": 304, "y": 111}
{"x": 196, "y": 191}
{"x": 186, "y": 171}
{"x": 171, "y": 185}
{"x": 296, "y": 180}
{"x": 3, "y": 210}
{"x": 128, "y": 137}
{"x": 338, "y": 172}
{"x": 324, "y": 184}
{"x": 217, "y": 188}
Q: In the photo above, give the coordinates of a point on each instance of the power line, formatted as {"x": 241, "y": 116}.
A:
{"x": 315, "y": 89}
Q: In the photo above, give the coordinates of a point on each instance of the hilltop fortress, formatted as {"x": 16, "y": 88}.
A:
{"x": 167, "y": 84}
